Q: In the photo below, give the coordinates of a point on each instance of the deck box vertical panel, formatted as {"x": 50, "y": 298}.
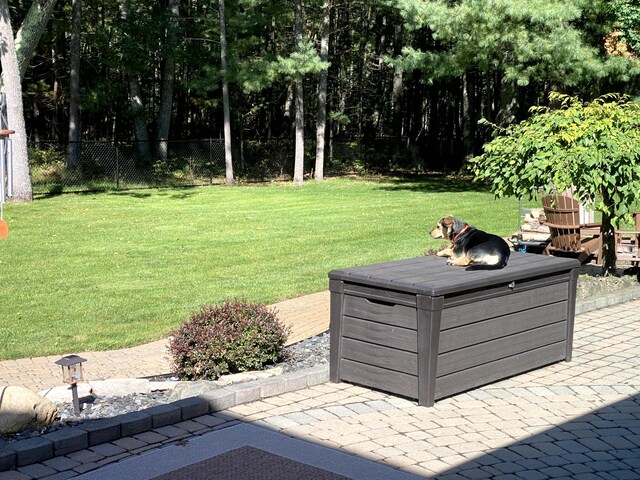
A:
{"x": 571, "y": 311}
{"x": 429, "y": 316}
{"x": 336, "y": 288}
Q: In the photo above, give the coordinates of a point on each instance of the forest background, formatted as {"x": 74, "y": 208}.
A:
{"x": 408, "y": 80}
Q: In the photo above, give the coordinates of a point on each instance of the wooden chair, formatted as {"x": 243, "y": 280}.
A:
{"x": 627, "y": 242}
{"x": 568, "y": 235}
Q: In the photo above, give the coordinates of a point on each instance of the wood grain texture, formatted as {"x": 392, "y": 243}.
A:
{"x": 391, "y": 314}
{"x": 482, "y": 353}
{"x": 379, "y": 378}
{"x": 430, "y": 275}
{"x": 380, "y": 334}
{"x": 499, "y": 327}
{"x": 388, "y": 358}
{"x": 504, "y": 305}
{"x": 503, "y": 368}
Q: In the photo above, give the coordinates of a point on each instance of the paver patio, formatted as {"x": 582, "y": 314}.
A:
{"x": 574, "y": 420}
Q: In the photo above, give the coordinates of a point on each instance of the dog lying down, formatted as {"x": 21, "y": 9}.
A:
{"x": 471, "y": 247}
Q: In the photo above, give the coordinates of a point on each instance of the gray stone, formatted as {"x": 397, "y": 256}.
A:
{"x": 249, "y": 376}
{"x": 63, "y": 393}
{"x": 21, "y": 409}
{"x": 245, "y": 392}
{"x": 32, "y": 450}
{"x": 134, "y": 423}
{"x": 37, "y": 470}
{"x": 294, "y": 381}
{"x": 162, "y": 415}
{"x": 192, "y": 407}
{"x": 68, "y": 440}
{"x": 121, "y": 387}
{"x": 220, "y": 399}
{"x": 192, "y": 389}
{"x": 113, "y": 387}
{"x": 317, "y": 375}
{"x": 101, "y": 431}
{"x": 271, "y": 387}
{"x": 7, "y": 459}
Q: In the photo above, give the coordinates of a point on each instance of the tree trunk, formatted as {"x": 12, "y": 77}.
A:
{"x": 321, "y": 125}
{"x": 22, "y": 191}
{"x": 168, "y": 77}
{"x": 31, "y": 30}
{"x": 140, "y": 126}
{"x": 228, "y": 158}
{"x": 73, "y": 150}
{"x": 397, "y": 96}
{"x": 608, "y": 238}
{"x": 137, "y": 105}
{"x": 298, "y": 169}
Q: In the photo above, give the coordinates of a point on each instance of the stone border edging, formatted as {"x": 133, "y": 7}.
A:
{"x": 603, "y": 301}
{"x": 94, "y": 432}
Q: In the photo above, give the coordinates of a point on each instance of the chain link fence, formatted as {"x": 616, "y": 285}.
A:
{"x": 98, "y": 166}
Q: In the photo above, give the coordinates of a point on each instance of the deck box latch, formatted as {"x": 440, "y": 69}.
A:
{"x": 512, "y": 285}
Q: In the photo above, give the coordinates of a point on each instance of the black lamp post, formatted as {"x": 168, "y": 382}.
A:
{"x": 72, "y": 374}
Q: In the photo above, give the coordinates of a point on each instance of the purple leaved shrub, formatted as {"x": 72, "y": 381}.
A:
{"x": 230, "y": 338}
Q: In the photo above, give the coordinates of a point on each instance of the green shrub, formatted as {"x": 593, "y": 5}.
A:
{"x": 230, "y": 338}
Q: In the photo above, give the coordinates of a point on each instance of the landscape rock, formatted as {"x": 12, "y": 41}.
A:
{"x": 63, "y": 393}
{"x": 114, "y": 387}
{"x": 192, "y": 389}
{"x": 120, "y": 387}
{"x": 249, "y": 376}
{"x": 20, "y": 408}
{"x": 198, "y": 387}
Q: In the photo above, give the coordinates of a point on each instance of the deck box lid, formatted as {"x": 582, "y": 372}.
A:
{"x": 430, "y": 275}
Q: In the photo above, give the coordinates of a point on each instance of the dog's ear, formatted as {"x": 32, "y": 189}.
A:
{"x": 448, "y": 223}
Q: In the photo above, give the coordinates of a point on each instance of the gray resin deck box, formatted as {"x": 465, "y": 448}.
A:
{"x": 426, "y": 330}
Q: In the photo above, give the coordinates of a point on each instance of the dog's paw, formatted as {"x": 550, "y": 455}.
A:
{"x": 449, "y": 261}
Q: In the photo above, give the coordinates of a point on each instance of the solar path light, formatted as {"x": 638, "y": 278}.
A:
{"x": 72, "y": 374}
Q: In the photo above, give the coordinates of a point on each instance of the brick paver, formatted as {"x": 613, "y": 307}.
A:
{"x": 576, "y": 419}
{"x": 307, "y": 316}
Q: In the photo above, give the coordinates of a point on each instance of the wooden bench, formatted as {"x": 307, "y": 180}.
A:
{"x": 426, "y": 330}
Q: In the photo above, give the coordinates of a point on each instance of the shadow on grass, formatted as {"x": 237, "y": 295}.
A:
{"x": 174, "y": 192}
{"x": 433, "y": 184}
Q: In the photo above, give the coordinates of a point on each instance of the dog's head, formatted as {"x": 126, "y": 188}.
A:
{"x": 447, "y": 227}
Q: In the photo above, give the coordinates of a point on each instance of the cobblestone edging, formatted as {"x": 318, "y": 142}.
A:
{"x": 603, "y": 301}
{"x": 95, "y": 432}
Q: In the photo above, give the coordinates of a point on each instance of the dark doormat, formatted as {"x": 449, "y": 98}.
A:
{"x": 249, "y": 463}
{"x": 246, "y": 452}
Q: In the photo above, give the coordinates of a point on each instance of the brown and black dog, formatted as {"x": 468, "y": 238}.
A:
{"x": 471, "y": 247}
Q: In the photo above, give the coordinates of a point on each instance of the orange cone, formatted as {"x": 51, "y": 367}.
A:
{"x": 4, "y": 229}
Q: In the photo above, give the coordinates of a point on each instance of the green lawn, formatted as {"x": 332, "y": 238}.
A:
{"x": 101, "y": 271}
